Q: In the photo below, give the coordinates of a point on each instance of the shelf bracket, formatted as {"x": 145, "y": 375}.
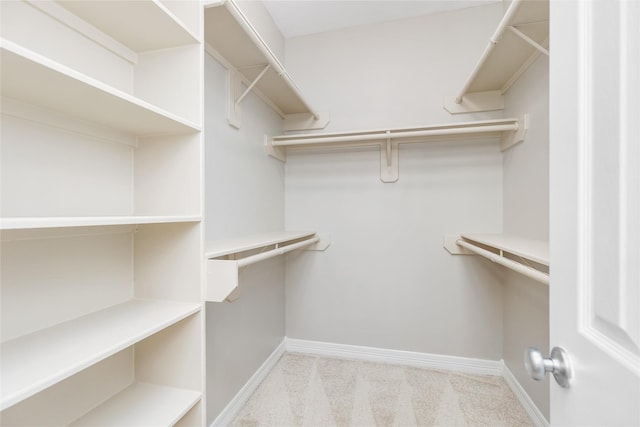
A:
{"x": 279, "y": 153}
{"x": 253, "y": 83}
{"x": 491, "y": 100}
{"x": 305, "y": 121}
{"x": 529, "y": 40}
{"x": 509, "y": 139}
{"x": 235, "y": 94}
{"x": 389, "y": 168}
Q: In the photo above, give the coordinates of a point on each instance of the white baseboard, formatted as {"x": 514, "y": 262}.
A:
{"x": 396, "y": 357}
{"x": 229, "y": 413}
{"x": 522, "y": 396}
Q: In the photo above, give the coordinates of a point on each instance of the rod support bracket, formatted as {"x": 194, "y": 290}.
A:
{"x": 389, "y": 167}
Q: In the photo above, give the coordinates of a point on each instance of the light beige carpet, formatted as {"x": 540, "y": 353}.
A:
{"x": 312, "y": 391}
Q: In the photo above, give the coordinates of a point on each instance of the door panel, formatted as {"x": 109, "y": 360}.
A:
{"x": 595, "y": 214}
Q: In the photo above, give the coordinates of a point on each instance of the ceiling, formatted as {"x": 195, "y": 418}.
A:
{"x": 302, "y": 17}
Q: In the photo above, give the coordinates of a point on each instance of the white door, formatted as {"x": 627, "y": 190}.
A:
{"x": 595, "y": 209}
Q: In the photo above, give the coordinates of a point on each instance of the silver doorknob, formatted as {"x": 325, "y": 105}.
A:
{"x": 558, "y": 364}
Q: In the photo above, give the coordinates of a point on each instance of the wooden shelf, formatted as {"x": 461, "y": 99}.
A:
{"x": 509, "y": 131}
{"x": 226, "y": 258}
{"x": 63, "y": 222}
{"x": 220, "y": 248}
{"x": 38, "y": 360}
{"x": 526, "y": 256}
{"x": 142, "y": 404}
{"x": 122, "y": 21}
{"x": 230, "y": 34}
{"x": 533, "y": 250}
{"x": 505, "y": 59}
{"x": 37, "y": 80}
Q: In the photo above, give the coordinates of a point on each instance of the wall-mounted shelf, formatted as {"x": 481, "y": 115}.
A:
{"x": 63, "y": 222}
{"x": 32, "y": 78}
{"x": 508, "y": 131}
{"x": 38, "y": 360}
{"x": 248, "y": 58}
{"x": 142, "y": 404}
{"x": 121, "y": 20}
{"x": 526, "y": 256}
{"x": 226, "y": 258}
{"x": 521, "y": 36}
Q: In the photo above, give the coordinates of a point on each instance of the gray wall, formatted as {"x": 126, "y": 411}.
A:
{"x": 386, "y": 281}
{"x": 526, "y": 213}
{"x": 244, "y": 195}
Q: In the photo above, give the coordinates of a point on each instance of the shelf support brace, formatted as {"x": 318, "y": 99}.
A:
{"x": 235, "y": 95}
{"x": 529, "y": 40}
{"x": 389, "y": 160}
{"x": 253, "y": 83}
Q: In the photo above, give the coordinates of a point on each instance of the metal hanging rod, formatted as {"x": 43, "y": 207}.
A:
{"x": 494, "y": 126}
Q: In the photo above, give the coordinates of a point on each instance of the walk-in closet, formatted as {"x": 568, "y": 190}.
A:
{"x": 319, "y": 213}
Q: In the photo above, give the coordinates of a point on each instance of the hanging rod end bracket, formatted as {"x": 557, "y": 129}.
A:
{"x": 449, "y": 243}
{"x": 320, "y": 245}
{"x": 510, "y": 139}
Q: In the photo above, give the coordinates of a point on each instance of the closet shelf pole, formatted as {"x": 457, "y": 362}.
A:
{"x": 383, "y": 136}
{"x": 275, "y": 252}
{"x": 493, "y": 41}
{"x": 522, "y": 269}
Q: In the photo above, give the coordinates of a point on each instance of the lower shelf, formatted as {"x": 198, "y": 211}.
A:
{"x": 142, "y": 404}
{"x": 526, "y": 256}
{"x": 31, "y": 363}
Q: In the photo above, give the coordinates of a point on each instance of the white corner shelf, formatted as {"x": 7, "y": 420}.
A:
{"x": 28, "y": 223}
{"x": 521, "y": 36}
{"x": 38, "y": 360}
{"x": 121, "y": 20}
{"x": 225, "y": 258}
{"x": 509, "y": 131}
{"x": 34, "y": 79}
{"x": 526, "y": 256}
{"x": 142, "y": 404}
{"x": 232, "y": 39}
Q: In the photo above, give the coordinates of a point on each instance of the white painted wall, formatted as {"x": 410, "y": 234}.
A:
{"x": 244, "y": 195}
{"x": 257, "y": 14}
{"x": 526, "y": 213}
{"x": 394, "y": 73}
{"x": 386, "y": 281}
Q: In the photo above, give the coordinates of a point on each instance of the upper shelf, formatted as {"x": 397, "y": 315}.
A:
{"x": 526, "y": 256}
{"x": 521, "y": 36}
{"x": 32, "y": 78}
{"x": 229, "y": 32}
{"x": 509, "y": 131}
{"x": 139, "y": 25}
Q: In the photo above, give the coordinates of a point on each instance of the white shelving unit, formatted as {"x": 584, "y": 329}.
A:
{"x": 225, "y": 258}
{"x": 521, "y": 36}
{"x": 526, "y": 256}
{"x": 234, "y": 41}
{"x": 508, "y": 131}
{"x": 38, "y": 360}
{"x": 102, "y": 323}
